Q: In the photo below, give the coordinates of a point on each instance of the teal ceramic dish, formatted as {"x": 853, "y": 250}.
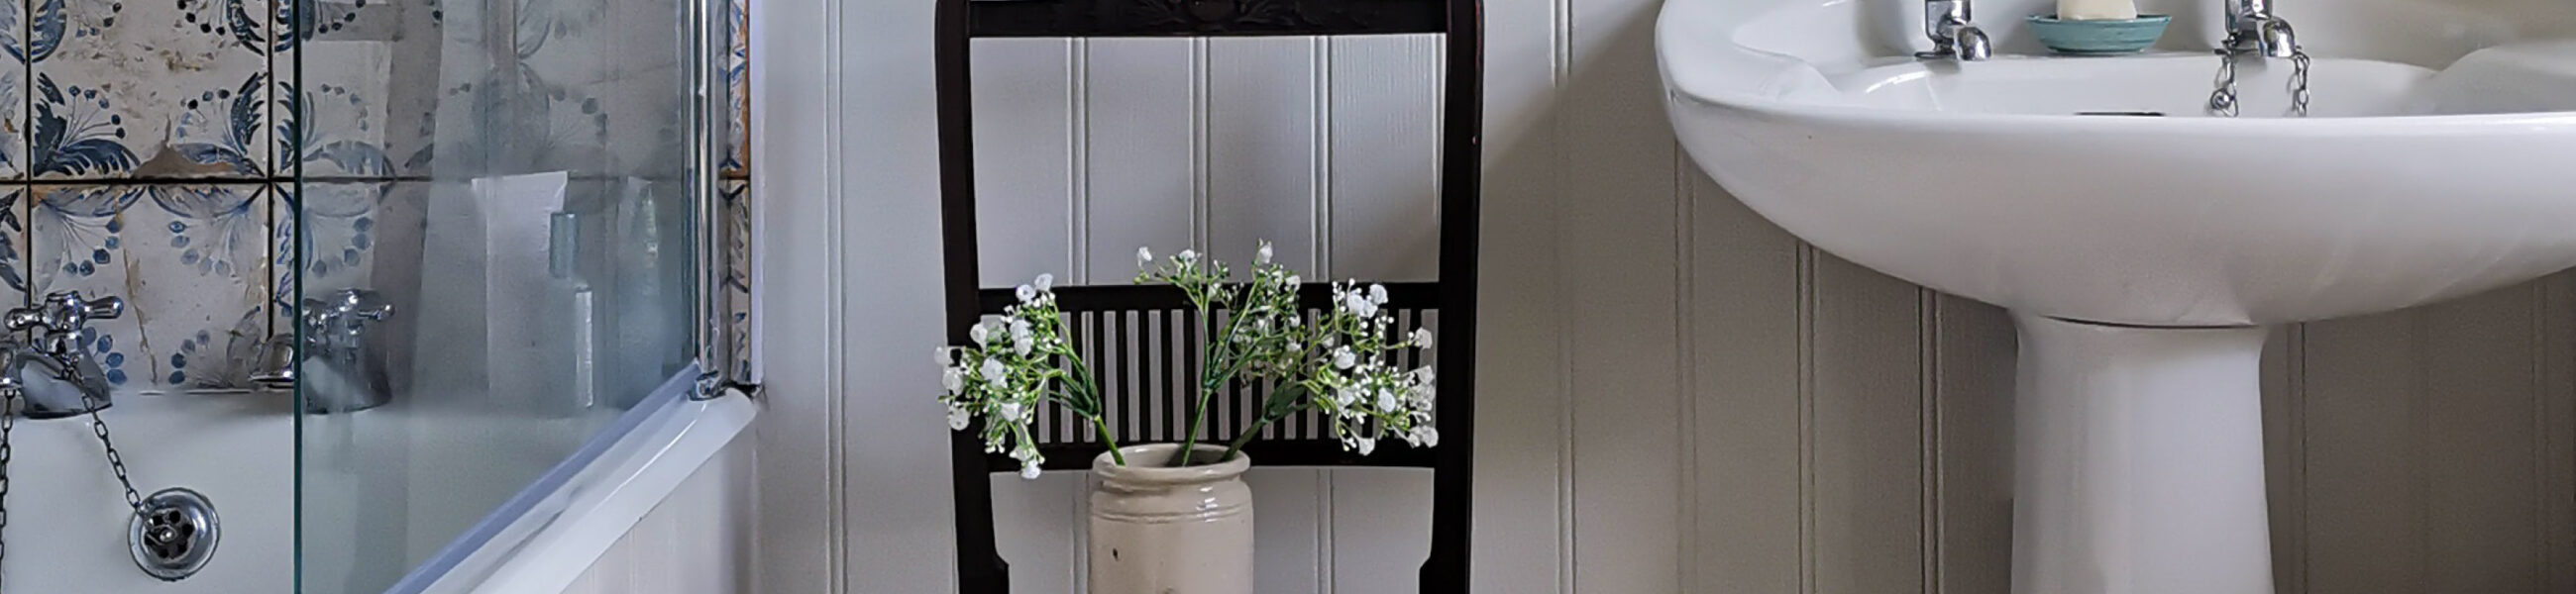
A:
{"x": 2099, "y": 38}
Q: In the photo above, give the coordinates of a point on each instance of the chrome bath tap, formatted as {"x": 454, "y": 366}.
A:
{"x": 55, "y": 376}
{"x": 1950, "y": 24}
{"x": 340, "y": 371}
{"x": 2251, "y": 28}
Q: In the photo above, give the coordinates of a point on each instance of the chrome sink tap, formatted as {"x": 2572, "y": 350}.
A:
{"x": 2251, "y": 28}
{"x": 1954, "y": 35}
{"x": 55, "y": 376}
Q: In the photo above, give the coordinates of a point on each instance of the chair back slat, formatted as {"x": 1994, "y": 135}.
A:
{"x": 1145, "y": 347}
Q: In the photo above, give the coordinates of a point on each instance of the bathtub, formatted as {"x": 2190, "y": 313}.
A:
{"x": 68, "y": 518}
{"x": 67, "y": 529}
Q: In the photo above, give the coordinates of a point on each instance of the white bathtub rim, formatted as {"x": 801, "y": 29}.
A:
{"x": 559, "y": 536}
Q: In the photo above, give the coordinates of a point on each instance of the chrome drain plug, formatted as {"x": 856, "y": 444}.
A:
{"x": 175, "y": 534}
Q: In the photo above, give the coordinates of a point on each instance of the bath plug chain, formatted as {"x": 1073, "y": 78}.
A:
{"x": 8, "y": 420}
{"x": 115, "y": 459}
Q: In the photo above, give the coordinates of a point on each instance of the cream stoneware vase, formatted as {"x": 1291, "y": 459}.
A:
{"x": 1162, "y": 530}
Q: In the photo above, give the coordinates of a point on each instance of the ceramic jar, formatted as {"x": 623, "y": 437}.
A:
{"x": 1162, "y": 530}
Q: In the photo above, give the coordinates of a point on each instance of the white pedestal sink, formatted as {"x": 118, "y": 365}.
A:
{"x": 2144, "y": 256}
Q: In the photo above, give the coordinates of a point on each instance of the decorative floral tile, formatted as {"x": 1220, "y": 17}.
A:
{"x": 357, "y": 57}
{"x": 737, "y": 77}
{"x": 147, "y": 89}
{"x": 13, "y": 246}
{"x": 738, "y": 270}
{"x": 189, "y": 261}
{"x": 337, "y": 249}
{"x": 333, "y": 123}
{"x": 13, "y": 93}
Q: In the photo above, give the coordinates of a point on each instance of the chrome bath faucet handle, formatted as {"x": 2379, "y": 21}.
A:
{"x": 59, "y": 318}
{"x": 1951, "y": 25}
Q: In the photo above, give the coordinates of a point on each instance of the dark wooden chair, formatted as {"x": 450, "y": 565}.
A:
{"x": 1142, "y": 339}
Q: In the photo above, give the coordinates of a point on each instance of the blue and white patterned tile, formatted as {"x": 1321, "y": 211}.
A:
{"x": 189, "y": 260}
{"x": 737, "y": 78}
{"x": 358, "y": 58}
{"x": 337, "y": 247}
{"x": 738, "y": 271}
{"x": 333, "y": 123}
{"x": 13, "y": 246}
{"x": 152, "y": 89}
{"x": 13, "y": 92}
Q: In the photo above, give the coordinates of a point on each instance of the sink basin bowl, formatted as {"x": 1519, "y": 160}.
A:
{"x": 2434, "y": 169}
{"x": 2141, "y": 242}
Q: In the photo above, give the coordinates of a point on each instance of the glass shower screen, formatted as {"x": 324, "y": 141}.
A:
{"x": 492, "y": 257}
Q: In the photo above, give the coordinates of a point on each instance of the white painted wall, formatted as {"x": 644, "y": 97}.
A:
{"x": 1677, "y": 396}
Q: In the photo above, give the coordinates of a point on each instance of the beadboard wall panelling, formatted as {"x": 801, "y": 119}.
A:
{"x": 699, "y": 540}
{"x": 1677, "y": 395}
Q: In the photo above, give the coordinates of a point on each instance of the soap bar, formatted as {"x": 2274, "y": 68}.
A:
{"x": 2096, "y": 10}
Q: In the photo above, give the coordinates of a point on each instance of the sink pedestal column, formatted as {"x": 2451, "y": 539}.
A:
{"x": 2139, "y": 461}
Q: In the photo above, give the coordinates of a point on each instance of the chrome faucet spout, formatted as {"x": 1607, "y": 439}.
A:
{"x": 2253, "y": 29}
{"x": 1950, "y": 24}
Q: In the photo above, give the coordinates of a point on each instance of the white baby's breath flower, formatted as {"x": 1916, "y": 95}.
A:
{"x": 1026, "y": 293}
{"x": 1011, "y": 411}
{"x": 1262, "y": 256}
{"x": 952, "y": 379}
{"x": 1429, "y": 437}
{"x": 1021, "y": 338}
{"x": 1364, "y": 308}
{"x": 993, "y": 371}
{"x": 1346, "y": 396}
{"x": 1343, "y": 358}
{"x": 979, "y": 334}
{"x": 957, "y": 418}
{"x": 1386, "y": 401}
{"x": 1029, "y": 471}
{"x": 1292, "y": 280}
{"x": 1046, "y": 282}
{"x": 1377, "y": 293}
{"x": 1367, "y": 445}
{"x": 1422, "y": 337}
{"x": 1189, "y": 255}
{"x": 1144, "y": 256}
{"x": 947, "y": 355}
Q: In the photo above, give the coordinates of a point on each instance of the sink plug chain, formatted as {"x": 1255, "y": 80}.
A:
{"x": 2299, "y": 82}
{"x": 2224, "y": 102}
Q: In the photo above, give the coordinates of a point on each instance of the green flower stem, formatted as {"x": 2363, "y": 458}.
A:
{"x": 1115, "y": 456}
{"x": 1288, "y": 401}
{"x": 1214, "y": 350}
{"x": 1245, "y": 438}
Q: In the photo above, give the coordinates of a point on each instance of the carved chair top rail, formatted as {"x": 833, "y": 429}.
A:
{"x": 1203, "y": 18}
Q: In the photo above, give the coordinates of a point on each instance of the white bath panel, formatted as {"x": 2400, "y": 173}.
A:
{"x": 68, "y": 518}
